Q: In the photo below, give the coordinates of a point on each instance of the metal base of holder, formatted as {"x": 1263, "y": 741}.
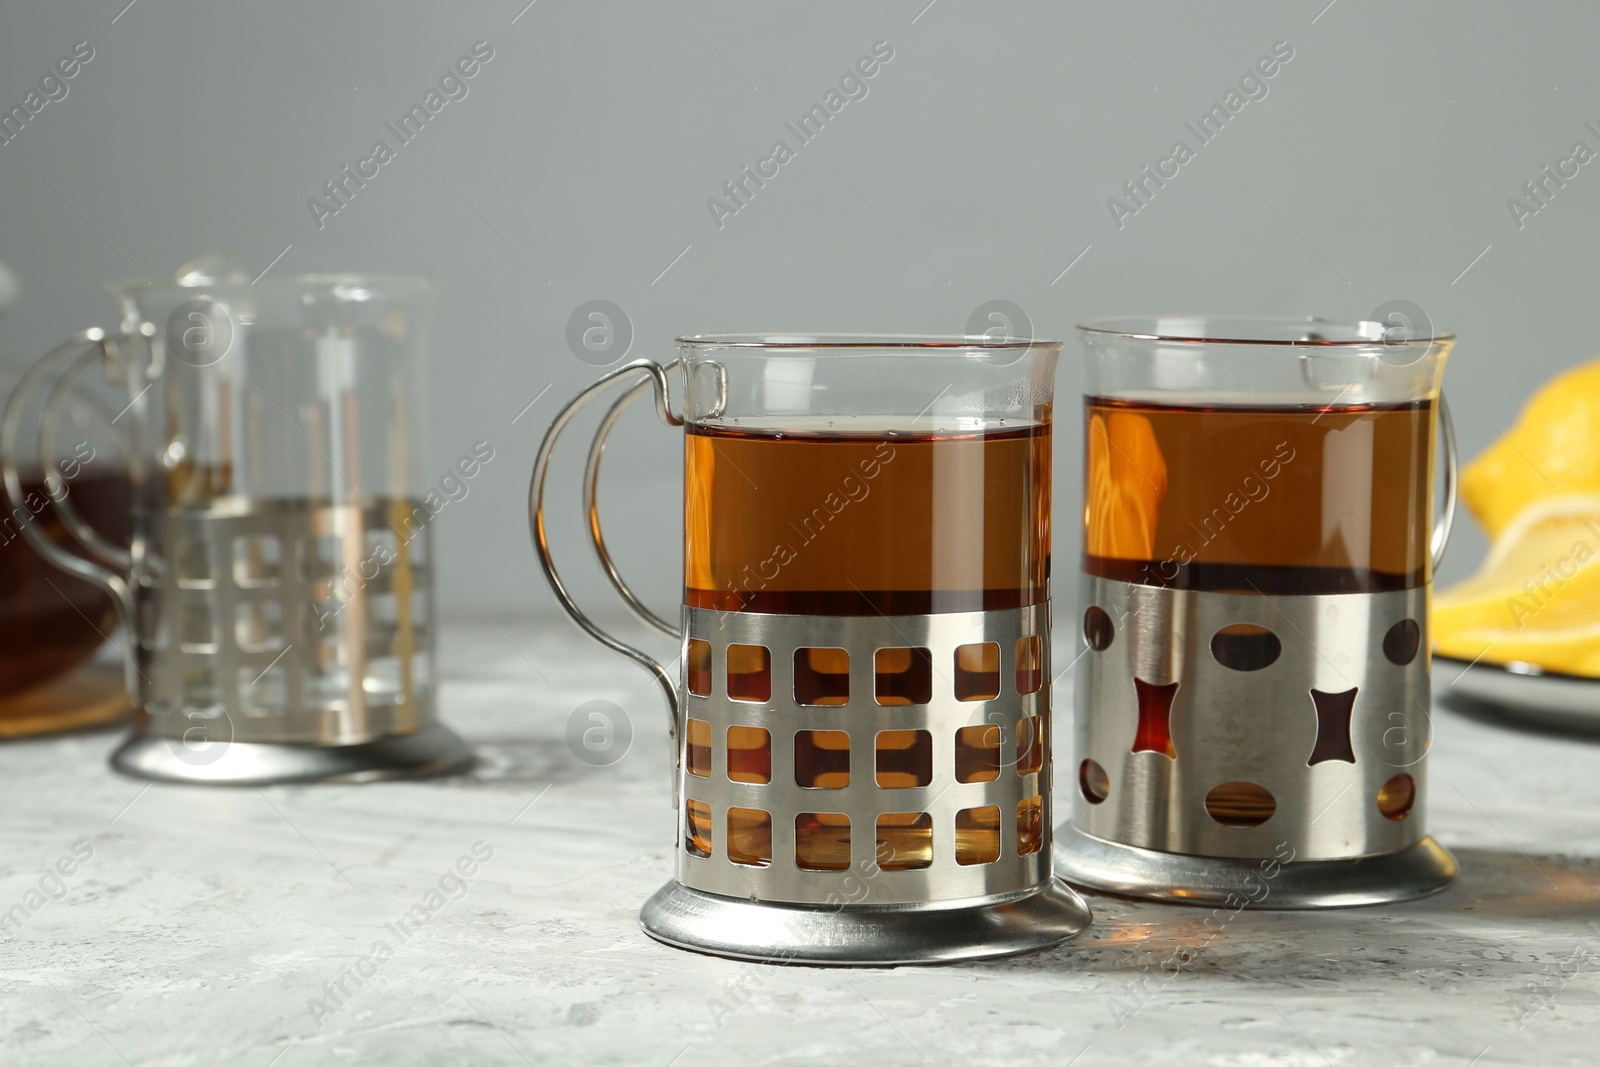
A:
{"x": 863, "y": 935}
{"x": 1123, "y": 870}
{"x": 434, "y": 750}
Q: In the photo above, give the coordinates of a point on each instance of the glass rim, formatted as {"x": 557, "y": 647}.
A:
{"x": 1360, "y": 333}
{"x": 781, "y": 342}
{"x": 388, "y": 283}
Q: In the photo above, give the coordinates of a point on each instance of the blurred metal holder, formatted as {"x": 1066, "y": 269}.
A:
{"x": 266, "y": 652}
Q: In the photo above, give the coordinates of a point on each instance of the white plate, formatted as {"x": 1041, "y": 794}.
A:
{"x": 1523, "y": 692}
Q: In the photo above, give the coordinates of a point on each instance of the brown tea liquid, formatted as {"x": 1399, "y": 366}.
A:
{"x": 834, "y": 523}
{"x": 1281, "y": 500}
{"x": 52, "y": 621}
{"x": 829, "y": 523}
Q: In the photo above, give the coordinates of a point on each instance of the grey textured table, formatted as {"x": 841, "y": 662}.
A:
{"x": 295, "y": 926}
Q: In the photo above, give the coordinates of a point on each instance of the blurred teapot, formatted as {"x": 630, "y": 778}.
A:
{"x": 52, "y": 624}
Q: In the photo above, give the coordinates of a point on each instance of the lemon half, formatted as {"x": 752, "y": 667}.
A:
{"x": 1534, "y": 599}
{"x": 1553, "y": 450}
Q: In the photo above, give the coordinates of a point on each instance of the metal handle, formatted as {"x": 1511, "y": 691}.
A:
{"x": 591, "y": 508}
{"x": 1447, "y": 519}
{"x": 655, "y": 375}
{"x": 91, "y": 341}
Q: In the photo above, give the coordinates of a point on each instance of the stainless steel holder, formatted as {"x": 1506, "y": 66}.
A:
{"x": 988, "y": 893}
{"x": 286, "y": 641}
{"x": 968, "y": 892}
{"x": 1256, "y": 750}
{"x": 1325, "y": 733}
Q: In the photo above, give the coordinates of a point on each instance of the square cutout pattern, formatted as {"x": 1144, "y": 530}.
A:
{"x": 905, "y": 758}
{"x": 258, "y": 625}
{"x": 324, "y": 623}
{"x": 697, "y": 748}
{"x": 262, "y": 691}
{"x": 697, "y": 667}
{"x": 978, "y": 753}
{"x": 697, "y": 828}
{"x": 905, "y": 841}
{"x": 194, "y": 565}
{"x": 749, "y": 674}
{"x": 977, "y": 835}
{"x": 1030, "y": 664}
{"x": 152, "y": 622}
{"x": 1031, "y": 739}
{"x": 749, "y": 837}
{"x": 822, "y": 841}
{"x": 977, "y": 674}
{"x": 821, "y": 677}
{"x": 822, "y": 759}
{"x": 250, "y": 631}
{"x": 749, "y": 755}
{"x": 382, "y": 547}
{"x": 1030, "y": 825}
{"x": 383, "y": 611}
{"x": 197, "y": 627}
{"x": 201, "y": 685}
{"x": 319, "y": 557}
{"x": 902, "y": 676}
{"x": 257, "y": 560}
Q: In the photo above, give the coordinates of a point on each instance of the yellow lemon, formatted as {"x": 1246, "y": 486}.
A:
{"x": 1535, "y": 598}
{"x": 1554, "y": 449}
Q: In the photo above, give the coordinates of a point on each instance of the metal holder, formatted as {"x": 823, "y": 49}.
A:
{"x": 1335, "y": 737}
{"x": 943, "y": 858}
{"x": 803, "y": 889}
{"x": 286, "y": 641}
{"x": 1255, "y": 750}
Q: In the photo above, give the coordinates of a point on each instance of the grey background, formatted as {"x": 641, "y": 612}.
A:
{"x": 978, "y": 167}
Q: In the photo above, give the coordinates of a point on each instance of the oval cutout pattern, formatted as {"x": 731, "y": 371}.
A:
{"x": 1240, "y": 804}
{"x": 1093, "y": 781}
{"x": 1245, "y": 647}
{"x": 1400, "y": 644}
{"x": 1098, "y": 630}
{"x": 1397, "y": 796}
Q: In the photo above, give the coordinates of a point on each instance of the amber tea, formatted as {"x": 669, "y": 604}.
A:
{"x": 52, "y": 623}
{"x": 1278, "y": 500}
{"x": 843, "y": 523}
{"x": 49, "y": 621}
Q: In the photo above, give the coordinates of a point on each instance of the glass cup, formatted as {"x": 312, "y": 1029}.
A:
{"x": 862, "y": 704}
{"x": 1253, "y": 702}
{"x": 276, "y": 595}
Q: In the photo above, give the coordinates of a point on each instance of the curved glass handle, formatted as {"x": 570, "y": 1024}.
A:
{"x": 655, "y": 375}
{"x": 91, "y": 341}
{"x": 112, "y": 555}
{"x": 1447, "y": 519}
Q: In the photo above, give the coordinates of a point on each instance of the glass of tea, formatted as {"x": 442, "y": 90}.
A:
{"x": 275, "y": 593}
{"x": 1259, "y": 544}
{"x": 862, "y": 700}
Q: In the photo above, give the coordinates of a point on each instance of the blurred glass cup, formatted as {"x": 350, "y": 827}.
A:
{"x": 275, "y": 591}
